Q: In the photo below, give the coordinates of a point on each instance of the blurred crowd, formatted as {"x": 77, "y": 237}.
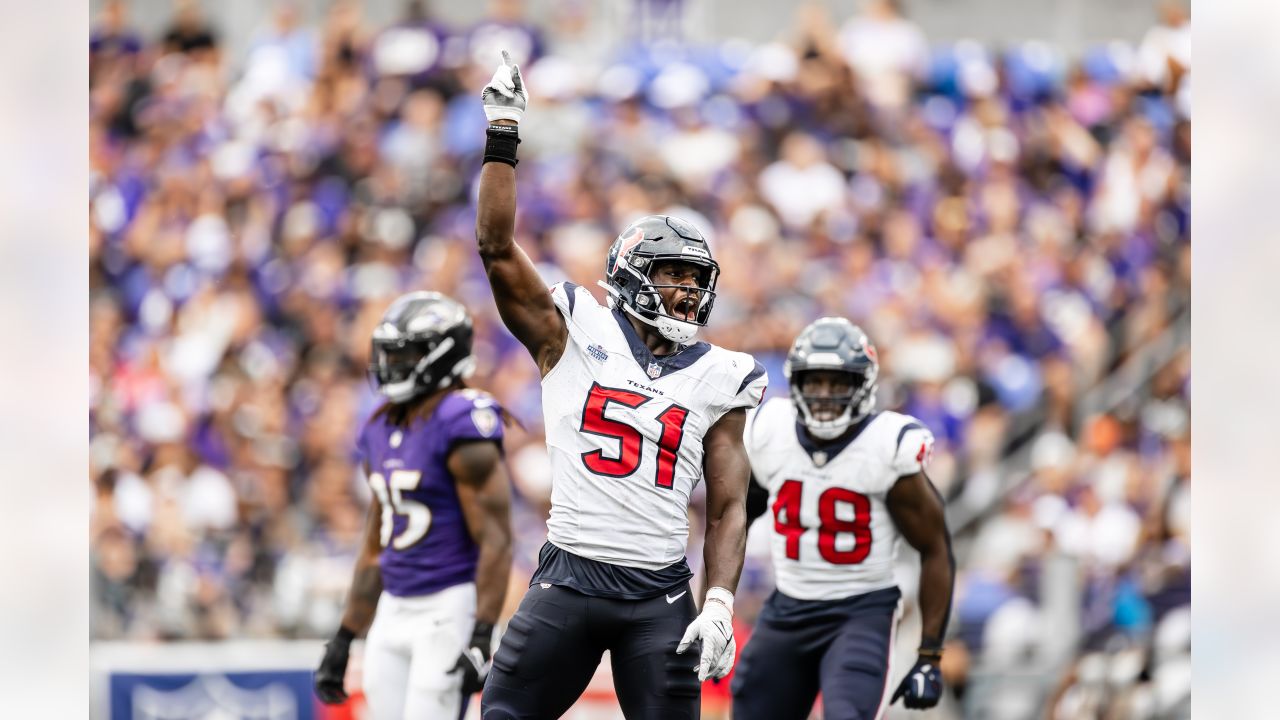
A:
{"x": 1008, "y": 224}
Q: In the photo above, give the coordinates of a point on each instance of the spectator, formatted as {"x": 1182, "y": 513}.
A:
{"x": 111, "y": 35}
{"x": 1164, "y": 56}
{"x": 886, "y": 50}
{"x": 801, "y": 184}
{"x": 189, "y": 32}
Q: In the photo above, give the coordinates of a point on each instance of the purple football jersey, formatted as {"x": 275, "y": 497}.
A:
{"x": 425, "y": 542}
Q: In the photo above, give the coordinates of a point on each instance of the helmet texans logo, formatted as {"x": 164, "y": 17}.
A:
{"x": 870, "y": 349}
{"x": 629, "y": 241}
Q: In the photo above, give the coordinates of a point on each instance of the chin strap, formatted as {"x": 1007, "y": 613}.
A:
{"x": 610, "y": 294}
{"x": 863, "y": 404}
{"x": 398, "y": 392}
{"x": 829, "y": 429}
{"x": 676, "y": 331}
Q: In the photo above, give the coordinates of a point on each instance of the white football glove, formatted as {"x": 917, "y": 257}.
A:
{"x": 505, "y": 97}
{"x": 715, "y": 627}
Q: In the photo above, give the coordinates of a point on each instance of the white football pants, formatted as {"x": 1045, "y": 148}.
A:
{"x": 410, "y": 649}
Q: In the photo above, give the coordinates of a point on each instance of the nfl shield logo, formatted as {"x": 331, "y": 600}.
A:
{"x": 654, "y": 370}
{"x": 820, "y": 458}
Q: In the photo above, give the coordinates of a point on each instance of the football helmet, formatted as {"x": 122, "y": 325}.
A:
{"x": 423, "y": 343}
{"x": 833, "y": 344}
{"x": 632, "y": 258}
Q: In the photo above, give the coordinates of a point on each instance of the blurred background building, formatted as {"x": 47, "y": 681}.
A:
{"x": 998, "y": 192}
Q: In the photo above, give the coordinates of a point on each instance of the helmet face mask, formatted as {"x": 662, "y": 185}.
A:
{"x": 422, "y": 344}
{"x": 832, "y": 368}
{"x": 650, "y": 251}
{"x": 395, "y": 360}
{"x": 828, "y": 394}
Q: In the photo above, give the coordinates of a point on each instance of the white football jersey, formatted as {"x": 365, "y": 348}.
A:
{"x": 624, "y": 433}
{"x": 832, "y": 534}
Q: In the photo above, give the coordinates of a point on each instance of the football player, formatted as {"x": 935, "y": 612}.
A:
{"x": 437, "y": 545}
{"x": 637, "y": 414}
{"x": 843, "y": 483}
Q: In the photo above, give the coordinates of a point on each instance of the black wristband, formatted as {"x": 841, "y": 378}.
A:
{"x": 501, "y": 144}
{"x": 343, "y": 636}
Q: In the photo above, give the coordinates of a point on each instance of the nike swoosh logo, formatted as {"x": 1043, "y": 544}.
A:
{"x": 673, "y": 599}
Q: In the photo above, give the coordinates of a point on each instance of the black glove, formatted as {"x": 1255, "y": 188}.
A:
{"x": 922, "y": 687}
{"x": 474, "y": 660}
{"x": 333, "y": 668}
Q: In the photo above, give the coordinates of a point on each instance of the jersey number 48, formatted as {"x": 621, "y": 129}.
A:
{"x": 786, "y": 522}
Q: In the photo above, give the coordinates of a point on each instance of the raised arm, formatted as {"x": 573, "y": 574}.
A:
{"x": 485, "y": 496}
{"x": 519, "y": 292}
{"x": 918, "y": 512}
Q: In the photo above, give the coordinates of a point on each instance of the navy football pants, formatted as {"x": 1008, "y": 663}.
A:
{"x": 554, "y": 643}
{"x": 798, "y": 647}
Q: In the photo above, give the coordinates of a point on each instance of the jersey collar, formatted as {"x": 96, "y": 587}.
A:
{"x": 657, "y": 367}
{"x": 824, "y": 452}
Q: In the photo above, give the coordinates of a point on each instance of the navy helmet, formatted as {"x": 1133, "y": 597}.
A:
{"x": 632, "y": 257}
{"x": 422, "y": 344}
{"x": 833, "y": 344}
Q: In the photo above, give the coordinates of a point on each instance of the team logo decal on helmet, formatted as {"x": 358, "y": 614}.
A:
{"x": 423, "y": 343}
{"x": 834, "y": 345}
{"x": 631, "y": 237}
{"x": 633, "y": 256}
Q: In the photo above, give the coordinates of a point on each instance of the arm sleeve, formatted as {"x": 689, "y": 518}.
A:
{"x": 755, "y": 438}
{"x": 757, "y": 500}
{"x": 565, "y": 296}
{"x": 913, "y": 449}
{"x": 751, "y": 389}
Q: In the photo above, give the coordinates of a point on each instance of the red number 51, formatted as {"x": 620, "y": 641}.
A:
{"x": 630, "y": 441}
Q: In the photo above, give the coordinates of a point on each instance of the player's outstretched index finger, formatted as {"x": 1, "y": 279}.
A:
{"x": 506, "y": 59}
